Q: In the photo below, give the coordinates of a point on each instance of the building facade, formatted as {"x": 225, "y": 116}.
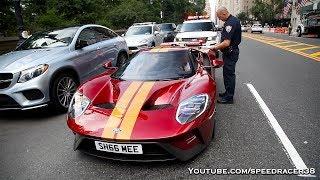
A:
{"x": 297, "y": 16}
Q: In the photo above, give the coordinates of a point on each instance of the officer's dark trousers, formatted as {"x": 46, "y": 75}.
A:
{"x": 229, "y": 76}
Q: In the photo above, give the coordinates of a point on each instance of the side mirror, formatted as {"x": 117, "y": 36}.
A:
{"x": 122, "y": 35}
{"x": 81, "y": 44}
{"x": 108, "y": 65}
{"x": 156, "y": 32}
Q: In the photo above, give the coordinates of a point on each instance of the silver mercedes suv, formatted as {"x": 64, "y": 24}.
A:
{"x": 48, "y": 67}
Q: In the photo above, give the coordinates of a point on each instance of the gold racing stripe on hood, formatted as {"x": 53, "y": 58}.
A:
{"x": 133, "y": 111}
{"x": 120, "y": 109}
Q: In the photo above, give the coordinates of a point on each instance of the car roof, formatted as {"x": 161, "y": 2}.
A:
{"x": 145, "y": 25}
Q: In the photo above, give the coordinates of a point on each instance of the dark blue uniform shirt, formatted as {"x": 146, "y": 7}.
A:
{"x": 232, "y": 31}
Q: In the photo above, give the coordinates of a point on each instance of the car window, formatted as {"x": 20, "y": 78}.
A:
{"x": 90, "y": 36}
{"x": 198, "y": 26}
{"x": 139, "y": 30}
{"x": 153, "y": 66}
{"x": 166, "y": 27}
{"x": 47, "y": 39}
{"x": 104, "y": 34}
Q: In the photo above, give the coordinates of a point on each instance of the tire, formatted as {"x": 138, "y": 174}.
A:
{"x": 299, "y": 32}
{"x": 62, "y": 90}
{"x": 122, "y": 59}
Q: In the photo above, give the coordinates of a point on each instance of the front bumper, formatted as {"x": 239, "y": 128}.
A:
{"x": 162, "y": 150}
{"x": 23, "y": 96}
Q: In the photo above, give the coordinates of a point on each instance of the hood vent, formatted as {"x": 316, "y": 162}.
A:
{"x": 148, "y": 107}
{"x": 106, "y": 105}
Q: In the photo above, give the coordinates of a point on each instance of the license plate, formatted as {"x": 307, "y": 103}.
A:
{"x": 119, "y": 148}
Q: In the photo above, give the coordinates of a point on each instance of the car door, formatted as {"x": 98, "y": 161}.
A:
{"x": 107, "y": 49}
{"x": 85, "y": 52}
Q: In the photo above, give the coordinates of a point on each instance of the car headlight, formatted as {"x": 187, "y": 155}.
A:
{"x": 192, "y": 108}
{"x": 78, "y": 105}
{"x": 212, "y": 38}
{"x": 33, "y": 72}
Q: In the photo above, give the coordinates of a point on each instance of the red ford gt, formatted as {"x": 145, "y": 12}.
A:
{"x": 158, "y": 106}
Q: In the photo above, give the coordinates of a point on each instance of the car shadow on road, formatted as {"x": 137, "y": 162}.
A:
{"x": 34, "y": 114}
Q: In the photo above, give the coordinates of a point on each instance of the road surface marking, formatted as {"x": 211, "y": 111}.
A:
{"x": 292, "y": 45}
{"x": 307, "y": 48}
{"x": 296, "y": 51}
{"x": 284, "y": 42}
{"x": 315, "y": 54}
{"x": 291, "y": 151}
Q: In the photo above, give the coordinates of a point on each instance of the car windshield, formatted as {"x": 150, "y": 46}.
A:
{"x": 56, "y": 38}
{"x": 199, "y": 26}
{"x": 156, "y": 66}
{"x": 139, "y": 30}
{"x": 166, "y": 27}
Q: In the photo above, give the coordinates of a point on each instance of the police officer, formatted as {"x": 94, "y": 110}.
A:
{"x": 230, "y": 39}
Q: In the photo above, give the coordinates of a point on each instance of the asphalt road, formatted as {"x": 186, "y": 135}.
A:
{"x": 36, "y": 145}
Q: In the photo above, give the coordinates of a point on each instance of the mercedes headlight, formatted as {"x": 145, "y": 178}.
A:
{"x": 212, "y": 38}
{"x": 192, "y": 108}
{"x": 33, "y": 72}
{"x": 78, "y": 105}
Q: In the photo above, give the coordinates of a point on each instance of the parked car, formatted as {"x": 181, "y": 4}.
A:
{"x": 198, "y": 30}
{"x": 256, "y": 28}
{"x": 143, "y": 35}
{"x": 168, "y": 30}
{"x": 48, "y": 67}
{"x": 158, "y": 107}
{"x": 245, "y": 28}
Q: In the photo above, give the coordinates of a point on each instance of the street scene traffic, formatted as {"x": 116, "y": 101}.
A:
{"x": 184, "y": 89}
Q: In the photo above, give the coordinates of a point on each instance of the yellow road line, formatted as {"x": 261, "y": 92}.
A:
{"x": 284, "y": 42}
{"x": 292, "y": 45}
{"x": 307, "y": 48}
{"x": 114, "y": 119}
{"x": 315, "y": 54}
{"x": 287, "y": 49}
{"x": 134, "y": 109}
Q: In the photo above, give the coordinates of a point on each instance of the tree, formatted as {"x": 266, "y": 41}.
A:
{"x": 7, "y": 18}
{"x": 262, "y": 11}
{"x": 116, "y": 14}
{"x": 243, "y": 17}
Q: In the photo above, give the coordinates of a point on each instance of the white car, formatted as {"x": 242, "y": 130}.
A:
{"x": 198, "y": 30}
{"x": 256, "y": 28}
{"x": 143, "y": 35}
